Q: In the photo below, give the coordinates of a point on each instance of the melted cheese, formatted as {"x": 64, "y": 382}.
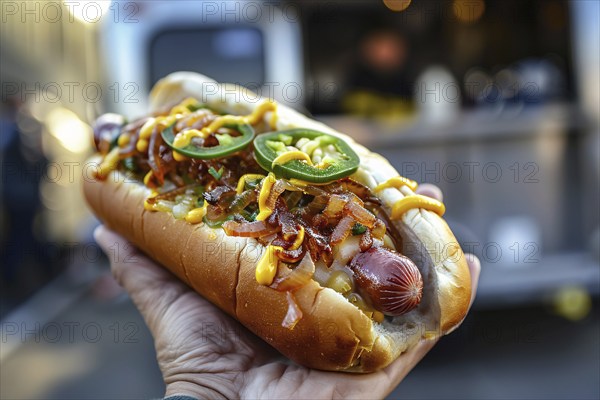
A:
{"x": 417, "y": 201}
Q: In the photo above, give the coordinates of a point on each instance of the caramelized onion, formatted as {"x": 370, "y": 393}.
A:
{"x": 171, "y": 194}
{"x": 342, "y": 230}
{"x": 201, "y": 123}
{"x": 282, "y": 217}
{"x": 106, "y": 128}
{"x": 389, "y": 227}
{"x": 153, "y": 156}
{"x": 366, "y": 241}
{"x": 317, "y": 205}
{"x": 294, "y": 314}
{"x": 319, "y": 221}
{"x": 314, "y": 191}
{"x": 215, "y": 215}
{"x": 292, "y": 188}
{"x": 135, "y": 125}
{"x": 318, "y": 244}
{"x": 176, "y": 179}
{"x": 378, "y": 231}
{"x": 350, "y": 185}
{"x": 292, "y": 199}
{"x": 355, "y": 199}
{"x": 130, "y": 149}
{"x": 335, "y": 206}
{"x": 290, "y": 256}
{"x": 248, "y": 229}
{"x": 196, "y": 120}
{"x": 242, "y": 201}
{"x": 218, "y": 196}
{"x": 289, "y": 227}
{"x": 267, "y": 239}
{"x": 278, "y": 188}
{"x": 294, "y": 278}
{"x": 360, "y": 214}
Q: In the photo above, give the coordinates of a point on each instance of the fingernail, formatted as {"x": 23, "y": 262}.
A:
{"x": 98, "y": 231}
{"x": 473, "y": 260}
{"x": 429, "y": 190}
{"x": 99, "y": 236}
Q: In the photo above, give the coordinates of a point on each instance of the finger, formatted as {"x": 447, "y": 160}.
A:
{"x": 429, "y": 190}
{"x": 407, "y": 361}
{"x": 151, "y": 287}
{"x": 398, "y": 370}
{"x": 124, "y": 257}
{"x": 475, "y": 270}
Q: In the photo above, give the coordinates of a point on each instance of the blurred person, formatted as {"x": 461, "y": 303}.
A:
{"x": 379, "y": 83}
{"x": 22, "y": 267}
{"x": 227, "y": 361}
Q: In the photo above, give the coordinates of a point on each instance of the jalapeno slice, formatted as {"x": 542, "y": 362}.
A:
{"x": 227, "y": 144}
{"x": 312, "y": 156}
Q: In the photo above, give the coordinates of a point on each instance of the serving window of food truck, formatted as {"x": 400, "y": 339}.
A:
{"x": 494, "y": 102}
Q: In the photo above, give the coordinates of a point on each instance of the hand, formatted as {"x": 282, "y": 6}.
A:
{"x": 204, "y": 353}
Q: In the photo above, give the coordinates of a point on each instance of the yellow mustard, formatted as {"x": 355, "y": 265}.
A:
{"x": 195, "y": 216}
{"x": 265, "y": 190}
{"x": 183, "y": 139}
{"x": 417, "y": 201}
{"x": 266, "y": 269}
{"x": 242, "y": 181}
{"x": 397, "y": 182}
{"x": 110, "y": 162}
{"x": 291, "y": 155}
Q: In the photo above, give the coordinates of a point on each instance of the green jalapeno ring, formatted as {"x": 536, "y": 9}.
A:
{"x": 207, "y": 153}
{"x": 346, "y": 165}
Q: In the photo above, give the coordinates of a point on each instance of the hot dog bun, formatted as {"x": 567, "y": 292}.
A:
{"x": 333, "y": 334}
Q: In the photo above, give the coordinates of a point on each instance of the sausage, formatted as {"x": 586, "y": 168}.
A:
{"x": 390, "y": 281}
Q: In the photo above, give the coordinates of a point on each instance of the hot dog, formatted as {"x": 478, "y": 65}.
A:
{"x": 307, "y": 238}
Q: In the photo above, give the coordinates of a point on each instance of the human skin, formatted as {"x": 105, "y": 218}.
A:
{"x": 228, "y": 361}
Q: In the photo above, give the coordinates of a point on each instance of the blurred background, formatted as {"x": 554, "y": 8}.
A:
{"x": 497, "y": 102}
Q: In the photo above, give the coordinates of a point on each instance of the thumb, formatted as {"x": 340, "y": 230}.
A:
{"x": 151, "y": 287}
